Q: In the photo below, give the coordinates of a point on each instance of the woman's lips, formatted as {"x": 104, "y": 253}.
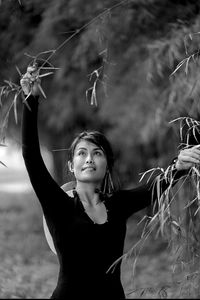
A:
{"x": 89, "y": 168}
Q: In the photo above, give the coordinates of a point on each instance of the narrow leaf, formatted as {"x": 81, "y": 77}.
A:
{"x": 187, "y": 64}
{"x": 178, "y": 119}
{"x": 3, "y": 164}
{"x": 25, "y": 100}
{"x": 9, "y": 83}
{"x": 49, "y": 68}
{"x": 41, "y": 90}
{"x": 94, "y": 98}
{"x": 18, "y": 70}
{"x": 178, "y": 66}
{"x": 15, "y": 107}
{"x": 43, "y": 75}
{"x": 185, "y": 44}
{"x": 27, "y": 96}
{"x": 196, "y": 171}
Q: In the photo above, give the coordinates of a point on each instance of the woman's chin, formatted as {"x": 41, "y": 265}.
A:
{"x": 89, "y": 179}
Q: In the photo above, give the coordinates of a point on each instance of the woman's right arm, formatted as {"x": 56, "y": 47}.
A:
{"x": 133, "y": 200}
{"x": 50, "y": 195}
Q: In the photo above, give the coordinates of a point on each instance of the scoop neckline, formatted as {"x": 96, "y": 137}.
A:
{"x": 85, "y": 212}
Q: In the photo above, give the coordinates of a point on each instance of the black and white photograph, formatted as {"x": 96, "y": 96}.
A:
{"x": 99, "y": 149}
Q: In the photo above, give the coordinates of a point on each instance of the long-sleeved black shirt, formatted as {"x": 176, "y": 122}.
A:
{"x": 85, "y": 250}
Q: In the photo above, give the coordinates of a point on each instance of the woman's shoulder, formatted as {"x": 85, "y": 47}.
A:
{"x": 68, "y": 187}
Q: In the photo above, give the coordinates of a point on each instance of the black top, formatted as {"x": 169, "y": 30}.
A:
{"x": 85, "y": 250}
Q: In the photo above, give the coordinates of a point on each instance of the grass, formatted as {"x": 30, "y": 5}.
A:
{"x": 28, "y": 268}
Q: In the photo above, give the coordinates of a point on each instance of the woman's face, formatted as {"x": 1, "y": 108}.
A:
{"x": 89, "y": 163}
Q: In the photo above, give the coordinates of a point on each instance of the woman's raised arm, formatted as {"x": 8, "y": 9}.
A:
{"x": 50, "y": 195}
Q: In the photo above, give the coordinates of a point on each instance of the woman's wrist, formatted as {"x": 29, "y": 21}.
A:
{"x": 174, "y": 163}
{"x": 177, "y": 164}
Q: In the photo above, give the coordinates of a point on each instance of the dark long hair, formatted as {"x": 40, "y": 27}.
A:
{"x": 99, "y": 139}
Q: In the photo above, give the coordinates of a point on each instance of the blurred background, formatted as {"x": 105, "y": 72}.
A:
{"x": 122, "y": 55}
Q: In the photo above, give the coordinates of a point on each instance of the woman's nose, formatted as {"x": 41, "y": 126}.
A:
{"x": 89, "y": 159}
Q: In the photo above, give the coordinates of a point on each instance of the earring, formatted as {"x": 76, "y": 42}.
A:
{"x": 108, "y": 186}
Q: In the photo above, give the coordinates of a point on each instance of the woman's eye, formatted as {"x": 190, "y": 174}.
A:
{"x": 81, "y": 153}
{"x": 98, "y": 153}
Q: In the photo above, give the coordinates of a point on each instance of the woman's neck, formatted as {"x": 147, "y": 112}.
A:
{"x": 87, "y": 193}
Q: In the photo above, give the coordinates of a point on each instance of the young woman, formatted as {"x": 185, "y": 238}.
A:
{"x": 88, "y": 227}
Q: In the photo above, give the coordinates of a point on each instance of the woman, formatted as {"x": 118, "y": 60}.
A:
{"x": 88, "y": 227}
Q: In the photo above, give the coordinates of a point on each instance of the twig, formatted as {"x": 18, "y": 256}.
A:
{"x": 83, "y": 27}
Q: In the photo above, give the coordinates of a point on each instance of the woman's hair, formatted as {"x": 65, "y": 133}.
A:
{"x": 102, "y": 142}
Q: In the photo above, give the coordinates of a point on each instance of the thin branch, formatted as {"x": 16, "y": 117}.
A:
{"x": 83, "y": 27}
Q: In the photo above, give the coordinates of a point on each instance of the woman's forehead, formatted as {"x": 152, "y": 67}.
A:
{"x": 86, "y": 145}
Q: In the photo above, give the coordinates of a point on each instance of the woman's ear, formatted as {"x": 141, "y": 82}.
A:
{"x": 70, "y": 166}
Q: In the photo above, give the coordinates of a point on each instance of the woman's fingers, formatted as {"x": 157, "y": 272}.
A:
{"x": 31, "y": 69}
{"x": 30, "y": 81}
{"x": 26, "y": 85}
{"x": 185, "y": 156}
{"x": 188, "y": 157}
{"x": 193, "y": 151}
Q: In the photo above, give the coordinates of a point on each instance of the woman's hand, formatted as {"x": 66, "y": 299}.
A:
{"x": 187, "y": 158}
{"x": 30, "y": 82}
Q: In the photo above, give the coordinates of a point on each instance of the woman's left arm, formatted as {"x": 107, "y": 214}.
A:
{"x": 133, "y": 200}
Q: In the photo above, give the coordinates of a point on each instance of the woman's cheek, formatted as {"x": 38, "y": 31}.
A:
{"x": 102, "y": 166}
{"x": 78, "y": 164}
